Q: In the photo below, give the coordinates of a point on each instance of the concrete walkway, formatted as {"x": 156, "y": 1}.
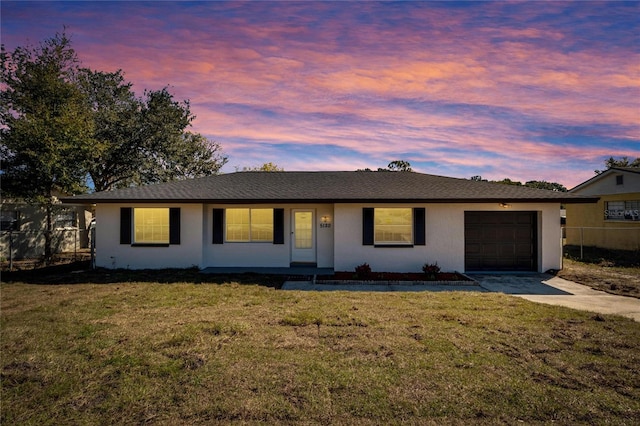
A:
{"x": 541, "y": 288}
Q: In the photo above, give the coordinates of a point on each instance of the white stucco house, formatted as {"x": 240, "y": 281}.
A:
{"x": 394, "y": 221}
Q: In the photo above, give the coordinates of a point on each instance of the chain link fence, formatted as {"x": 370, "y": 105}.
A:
{"x": 622, "y": 238}
{"x": 66, "y": 245}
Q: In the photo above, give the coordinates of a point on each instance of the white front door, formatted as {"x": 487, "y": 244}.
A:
{"x": 303, "y": 238}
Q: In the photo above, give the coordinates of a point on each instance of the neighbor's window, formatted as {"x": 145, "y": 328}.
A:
{"x": 151, "y": 225}
{"x": 9, "y": 220}
{"x": 622, "y": 210}
{"x": 245, "y": 225}
{"x": 66, "y": 218}
{"x": 393, "y": 226}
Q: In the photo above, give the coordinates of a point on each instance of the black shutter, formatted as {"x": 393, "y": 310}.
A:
{"x": 174, "y": 225}
{"x": 218, "y": 226}
{"x": 125, "y": 225}
{"x": 278, "y": 226}
{"x": 367, "y": 226}
{"x": 419, "y": 226}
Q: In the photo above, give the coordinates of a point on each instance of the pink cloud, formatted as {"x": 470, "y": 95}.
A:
{"x": 480, "y": 84}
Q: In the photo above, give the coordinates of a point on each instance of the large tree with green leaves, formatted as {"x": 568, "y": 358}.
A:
{"x": 65, "y": 128}
{"x": 142, "y": 140}
{"x": 46, "y": 132}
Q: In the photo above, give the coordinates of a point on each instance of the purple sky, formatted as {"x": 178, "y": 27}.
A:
{"x": 529, "y": 91}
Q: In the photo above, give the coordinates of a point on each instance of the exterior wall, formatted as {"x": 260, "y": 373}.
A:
{"x": 28, "y": 240}
{"x": 598, "y": 232}
{"x": 268, "y": 254}
{"x": 338, "y": 246}
{"x": 445, "y": 239}
{"x": 605, "y": 184}
{"x": 111, "y": 254}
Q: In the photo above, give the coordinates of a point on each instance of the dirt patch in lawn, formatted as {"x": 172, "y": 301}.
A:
{"x": 614, "y": 280}
{"x": 613, "y": 271}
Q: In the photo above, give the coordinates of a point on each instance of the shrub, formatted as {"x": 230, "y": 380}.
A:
{"x": 431, "y": 270}
{"x": 363, "y": 271}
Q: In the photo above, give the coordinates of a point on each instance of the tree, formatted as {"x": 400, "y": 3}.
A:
{"x": 266, "y": 167}
{"x": 622, "y": 162}
{"x": 542, "y": 184}
{"x": 394, "y": 166}
{"x": 149, "y": 132}
{"x": 399, "y": 166}
{"x": 538, "y": 184}
{"x": 63, "y": 125}
{"x": 507, "y": 181}
{"x": 115, "y": 115}
{"x": 47, "y": 127}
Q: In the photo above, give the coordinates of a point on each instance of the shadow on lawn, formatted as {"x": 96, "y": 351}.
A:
{"x": 603, "y": 257}
{"x": 81, "y": 273}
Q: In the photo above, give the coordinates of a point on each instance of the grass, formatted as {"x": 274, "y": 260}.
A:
{"x": 184, "y": 353}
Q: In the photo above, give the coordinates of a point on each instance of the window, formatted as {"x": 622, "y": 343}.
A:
{"x": 249, "y": 225}
{"x": 151, "y": 225}
{"x": 619, "y": 179}
{"x": 65, "y": 219}
{"x": 9, "y": 220}
{"x": 393, "y": 226}
{"x": 622, "y": 210}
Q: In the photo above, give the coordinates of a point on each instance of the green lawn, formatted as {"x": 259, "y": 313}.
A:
{"x": 133, "y": 353}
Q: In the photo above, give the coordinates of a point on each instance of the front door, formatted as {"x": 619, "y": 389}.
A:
{"x": 303, "y": 239}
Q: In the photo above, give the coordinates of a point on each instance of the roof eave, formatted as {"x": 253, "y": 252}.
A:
{"x": 563, "y": 200}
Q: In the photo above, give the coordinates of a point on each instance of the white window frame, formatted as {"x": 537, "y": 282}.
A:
{"x": 382, "y": 224}
{"x": 623, "y": 211}
{"x": 252, "y": 225}
{"x": 157, "y": 229}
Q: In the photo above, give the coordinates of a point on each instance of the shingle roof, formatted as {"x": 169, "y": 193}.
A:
{"x": 340, "y": 187}
{"x": 627, "y": 169}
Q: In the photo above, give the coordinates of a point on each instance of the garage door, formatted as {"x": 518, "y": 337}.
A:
{"x": 500, "y": 241}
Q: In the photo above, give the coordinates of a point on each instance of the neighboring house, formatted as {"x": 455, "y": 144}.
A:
{"x": 614, "y": 222}
{"x": 395, "y": 221}
{"x": 27, "y": 224}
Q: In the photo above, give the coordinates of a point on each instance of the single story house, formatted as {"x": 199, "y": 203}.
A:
{"x": 614, "y": 221}
{"x": 25, "y": 224}
{"x": 394, "y": 221}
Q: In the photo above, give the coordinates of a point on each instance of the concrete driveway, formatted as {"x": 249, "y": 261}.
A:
{"x": 552, "y": 290}
{"x": 541, "y": 288}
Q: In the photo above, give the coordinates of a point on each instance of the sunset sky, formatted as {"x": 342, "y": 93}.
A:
{"x": 525, "y": 90}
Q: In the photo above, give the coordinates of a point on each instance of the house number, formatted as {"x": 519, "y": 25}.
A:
{"x": 325, "y": 225}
